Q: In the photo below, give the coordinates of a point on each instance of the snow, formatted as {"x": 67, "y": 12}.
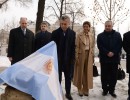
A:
{"x": 95, "y": 93}
{"x": 4, "y": 61}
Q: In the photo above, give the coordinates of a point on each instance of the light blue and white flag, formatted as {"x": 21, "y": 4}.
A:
{"x": 36, "y": 75}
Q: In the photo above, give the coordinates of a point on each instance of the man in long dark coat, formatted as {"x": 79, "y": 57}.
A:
{"x": 126, "y": 46}
{"x": 21, "y": 45}
{"x": 65, "y": 40}
{"x": 21, "y": 42}
{"x": 109, "y": 43}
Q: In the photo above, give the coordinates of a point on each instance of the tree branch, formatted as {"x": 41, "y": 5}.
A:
{"x": 54, "y": 11}
{"x": 1, "y": 4}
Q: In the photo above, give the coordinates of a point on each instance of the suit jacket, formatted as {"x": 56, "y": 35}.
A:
{"x": 65, "y": 48}
{"x": 42, "y": 39}
{"x": 126, "y": 46}
{"x": 20, "y": 45}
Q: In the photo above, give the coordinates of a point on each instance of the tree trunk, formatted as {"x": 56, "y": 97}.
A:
{"x": 40, "y": 12}
{"x": 61, "y": 11}
{"x": 73, "y": 17}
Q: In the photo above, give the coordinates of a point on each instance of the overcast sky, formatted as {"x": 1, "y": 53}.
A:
{"x": 15, "y": 12}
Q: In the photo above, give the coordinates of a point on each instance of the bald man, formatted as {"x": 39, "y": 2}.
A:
{"x": 109, "y": 43}
{"x": 21, "y": 42}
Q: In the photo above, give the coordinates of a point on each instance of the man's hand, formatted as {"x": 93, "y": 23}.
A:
{"x": 110, "y": 54}
{"x": 10, "y": 59}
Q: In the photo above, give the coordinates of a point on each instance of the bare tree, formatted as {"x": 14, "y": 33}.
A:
{"x": 75, "y": 10}
{"x": 114, "y": 10}
{"x": 58, "y": 8}
{"x": 40, "y": 12}
{"x": 2, "y": 2}
{"x": 11, "y": 24}
{"x": 61, "y": 11}
{"x": 72, "y": 8}
{"x": 24, "y": 3}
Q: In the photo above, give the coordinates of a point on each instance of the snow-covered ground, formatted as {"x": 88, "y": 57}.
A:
{"x": 4, "y": 61}
{"x": 95, "y": 93}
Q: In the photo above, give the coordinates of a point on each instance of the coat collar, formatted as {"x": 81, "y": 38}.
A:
{"x": 83, "y": 38}
{"x": 21, "y": 32}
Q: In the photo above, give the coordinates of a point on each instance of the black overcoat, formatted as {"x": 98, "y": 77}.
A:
{"x": 65, "y": 48}
{"x": 42, "y": 39}
{"x": 20, "y": 45}
{"x": 126, "y": 46}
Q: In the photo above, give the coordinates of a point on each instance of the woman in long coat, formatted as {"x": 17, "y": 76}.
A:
{"x": 83, "y": 72}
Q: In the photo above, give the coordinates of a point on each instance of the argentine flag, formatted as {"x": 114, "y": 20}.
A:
{"x": 36, "y": 75}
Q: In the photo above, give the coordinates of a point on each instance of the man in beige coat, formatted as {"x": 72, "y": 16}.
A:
{"x": 83, "y": 72}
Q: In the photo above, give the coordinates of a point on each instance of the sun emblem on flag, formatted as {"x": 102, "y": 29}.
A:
{"x": 48, "y": 66}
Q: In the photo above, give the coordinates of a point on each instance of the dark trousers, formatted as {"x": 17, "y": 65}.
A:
{"x": 68, "y": 77}
{"x": 72, "y": 72}
{"x": 129, "y": 87}
{"x": 109, "y": 76}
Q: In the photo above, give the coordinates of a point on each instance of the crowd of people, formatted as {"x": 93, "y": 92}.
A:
{"x": 75, "y": 52}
